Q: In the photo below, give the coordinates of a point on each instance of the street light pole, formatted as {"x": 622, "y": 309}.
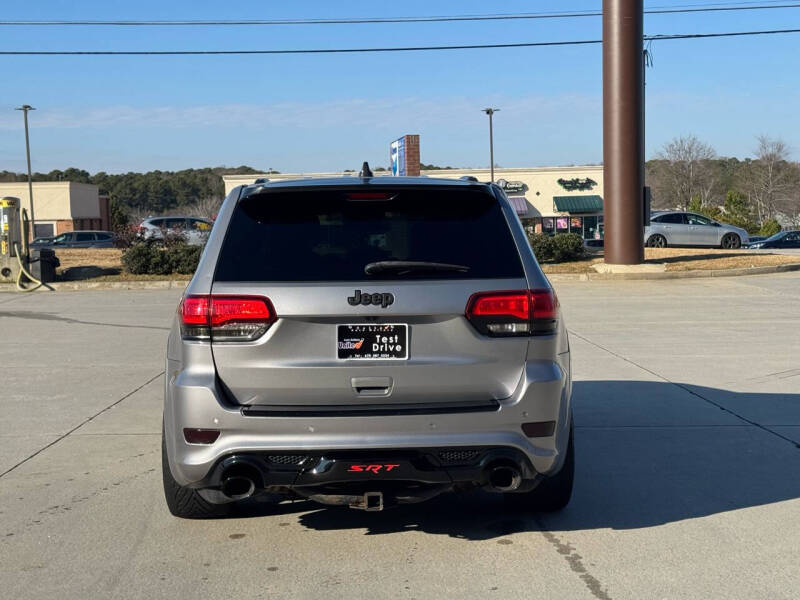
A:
{"x": 490, "y": 112}
{"x": 25, "y": 108}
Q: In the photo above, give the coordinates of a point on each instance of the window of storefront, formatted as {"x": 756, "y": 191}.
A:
{"x": 548, "y": 224}
{"x": 590, "y": 231}
{"x": 562, "y": 224}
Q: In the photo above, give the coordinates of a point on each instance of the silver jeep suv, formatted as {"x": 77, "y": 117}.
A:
{"x": 367, "y": 341}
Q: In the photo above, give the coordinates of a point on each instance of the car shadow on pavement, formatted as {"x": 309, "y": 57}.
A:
{"x": 647, "y": 453}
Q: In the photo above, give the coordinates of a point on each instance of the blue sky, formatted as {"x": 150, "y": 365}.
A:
{"x": 331, "y": 112}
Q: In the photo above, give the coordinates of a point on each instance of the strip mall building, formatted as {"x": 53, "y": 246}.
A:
{"x": 547, "y": 199}
{"x": 61, "y": 206}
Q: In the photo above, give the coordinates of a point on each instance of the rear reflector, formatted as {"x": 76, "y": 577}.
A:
{"x": 514, "y": 313}
{"x": 225, "y": 318}
{"x": 540, "y": 429}
{"x": 200, "y": 436}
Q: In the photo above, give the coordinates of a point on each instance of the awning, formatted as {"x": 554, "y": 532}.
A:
{"x": 520, "y": 204}
{"x": 578, "y": 204}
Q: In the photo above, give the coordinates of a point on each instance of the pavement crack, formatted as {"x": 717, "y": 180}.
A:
{"x": 687, "y": 389}
{"x": 575, "y": 562}
{"x": 42, "y": 316}
{"x": 81, "y": 424}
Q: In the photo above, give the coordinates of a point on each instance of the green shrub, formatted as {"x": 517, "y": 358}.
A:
{"x": 542, "y": 245}
{"x": 136, "y": 259}
{"x": 567, "y": 246}
{"x": 152, "y": 259}
{"x": 559, "y": 248}
{"x": 185, "y": 258}
{"x": 769, "y": 227}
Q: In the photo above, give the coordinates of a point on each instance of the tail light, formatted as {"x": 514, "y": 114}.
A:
{"x": 514, "y": 313}
{"x": 225, "y": 318}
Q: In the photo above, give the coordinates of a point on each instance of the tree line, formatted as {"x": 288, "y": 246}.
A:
{"x": 754, "y": 193}
{"x": 759, "y": 194}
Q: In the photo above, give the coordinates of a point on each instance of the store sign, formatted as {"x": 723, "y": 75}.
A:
{"x": 577, "y": 184}
{"x": 397, "y": 152}
{"x": 512, "y": 187}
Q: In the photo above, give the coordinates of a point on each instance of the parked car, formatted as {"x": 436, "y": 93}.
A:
{"x": 756, "y": 238}
{"x": 42, "y": 242}
{"x": 675, "y": 228}
{"x": 782, "y": 239}
{"x": 193, "y": 230}
{"x": 367, "y": 342}
{"x": 81, "y": 239}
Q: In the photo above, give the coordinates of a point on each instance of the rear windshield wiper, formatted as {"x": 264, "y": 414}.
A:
{"x": 402, "y": 267}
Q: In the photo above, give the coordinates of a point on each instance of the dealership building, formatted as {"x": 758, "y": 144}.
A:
{"x": 547, "y": 199}
{"x": 61, "y": 206}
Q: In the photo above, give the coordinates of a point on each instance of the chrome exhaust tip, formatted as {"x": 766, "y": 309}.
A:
{"x": 504, "y": 478}
{"x": 238, "y": 487}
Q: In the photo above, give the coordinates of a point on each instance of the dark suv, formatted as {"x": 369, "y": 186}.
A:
{"x": 366, "y": 341}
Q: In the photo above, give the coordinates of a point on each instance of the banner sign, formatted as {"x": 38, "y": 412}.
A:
{"x": 397, "y": 153}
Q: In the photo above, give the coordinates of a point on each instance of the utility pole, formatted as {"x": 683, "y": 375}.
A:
{"x": 490, "y": 112}
{"x": 623, "y": 130}
{"x": 25, "y": 108}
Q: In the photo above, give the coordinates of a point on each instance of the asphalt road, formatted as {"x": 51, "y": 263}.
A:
{"x": 687, "y": 407}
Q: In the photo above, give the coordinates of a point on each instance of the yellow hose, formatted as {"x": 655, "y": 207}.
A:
{"x": 24, "y": 271}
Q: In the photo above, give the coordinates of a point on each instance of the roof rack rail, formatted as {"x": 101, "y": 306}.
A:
{"x": 469, "y": 178}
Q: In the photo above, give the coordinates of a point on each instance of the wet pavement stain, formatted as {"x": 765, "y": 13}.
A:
{"x": 575, "y": 562}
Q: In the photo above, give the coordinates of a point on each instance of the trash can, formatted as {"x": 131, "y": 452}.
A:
{"x": 43, "y": 264}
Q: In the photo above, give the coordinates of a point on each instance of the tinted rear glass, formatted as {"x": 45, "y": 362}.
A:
{"x": 330, "y": 236}
{"x": 670, "y": 218}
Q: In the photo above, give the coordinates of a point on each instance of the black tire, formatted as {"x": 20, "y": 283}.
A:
{"x": 554, "y": 492}
{"x": 731, "y": 241}
{"x": 182, "y": 501}
{"x": 657, "y": 241}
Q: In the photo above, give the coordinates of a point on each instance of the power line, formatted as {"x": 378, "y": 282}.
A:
{"x": 677, "y": 36}
{"x": 685, "y": 9}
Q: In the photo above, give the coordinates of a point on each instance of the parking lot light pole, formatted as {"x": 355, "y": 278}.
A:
{"x": 25, "y": 108}
{"x": 490, "y": 112}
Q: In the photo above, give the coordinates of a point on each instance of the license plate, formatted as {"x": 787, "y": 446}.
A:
{"x": 372, "y": 342}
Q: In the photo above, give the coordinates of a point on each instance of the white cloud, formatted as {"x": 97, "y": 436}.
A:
{"x": 383, "y": 112}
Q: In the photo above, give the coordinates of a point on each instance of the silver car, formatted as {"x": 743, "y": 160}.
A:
{"x": 367, "y": 341}
{"x": 675, "y": 228}
{"x": 193, "y": 230}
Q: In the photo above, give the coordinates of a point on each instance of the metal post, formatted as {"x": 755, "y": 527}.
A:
{"x": 623, "y": 130}
{"x": 25, "y": 108}
{"x": 490, "y": 112}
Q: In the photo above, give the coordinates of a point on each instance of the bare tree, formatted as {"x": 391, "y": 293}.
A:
{"x": 683, "y": 172}
{"x": 769, "y": 178}
{"x": 207, "y": 207}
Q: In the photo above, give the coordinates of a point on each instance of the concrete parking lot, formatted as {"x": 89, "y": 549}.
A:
{"x": 687, "y": 407}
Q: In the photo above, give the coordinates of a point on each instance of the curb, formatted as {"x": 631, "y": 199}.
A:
{"x": 180, "y": 284}
{"x": 78, "y": 286}
{"x": 672, "y": 274}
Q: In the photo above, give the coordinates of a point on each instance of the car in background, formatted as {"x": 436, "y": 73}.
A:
{"x": 782, "y": 239}
{"x": 677, "y": 228}
{"x": 42, "y": 242}
{"x": 193, "y": 230}
{"x": 78, "y": 239}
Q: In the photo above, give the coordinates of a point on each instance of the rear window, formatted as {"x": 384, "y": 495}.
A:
{"x": 332, "y": 235}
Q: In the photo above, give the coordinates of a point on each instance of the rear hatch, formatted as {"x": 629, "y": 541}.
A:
{"x": 370, "y": 288}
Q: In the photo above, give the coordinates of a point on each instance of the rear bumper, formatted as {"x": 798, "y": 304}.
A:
{"x": 193, "y": 400}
